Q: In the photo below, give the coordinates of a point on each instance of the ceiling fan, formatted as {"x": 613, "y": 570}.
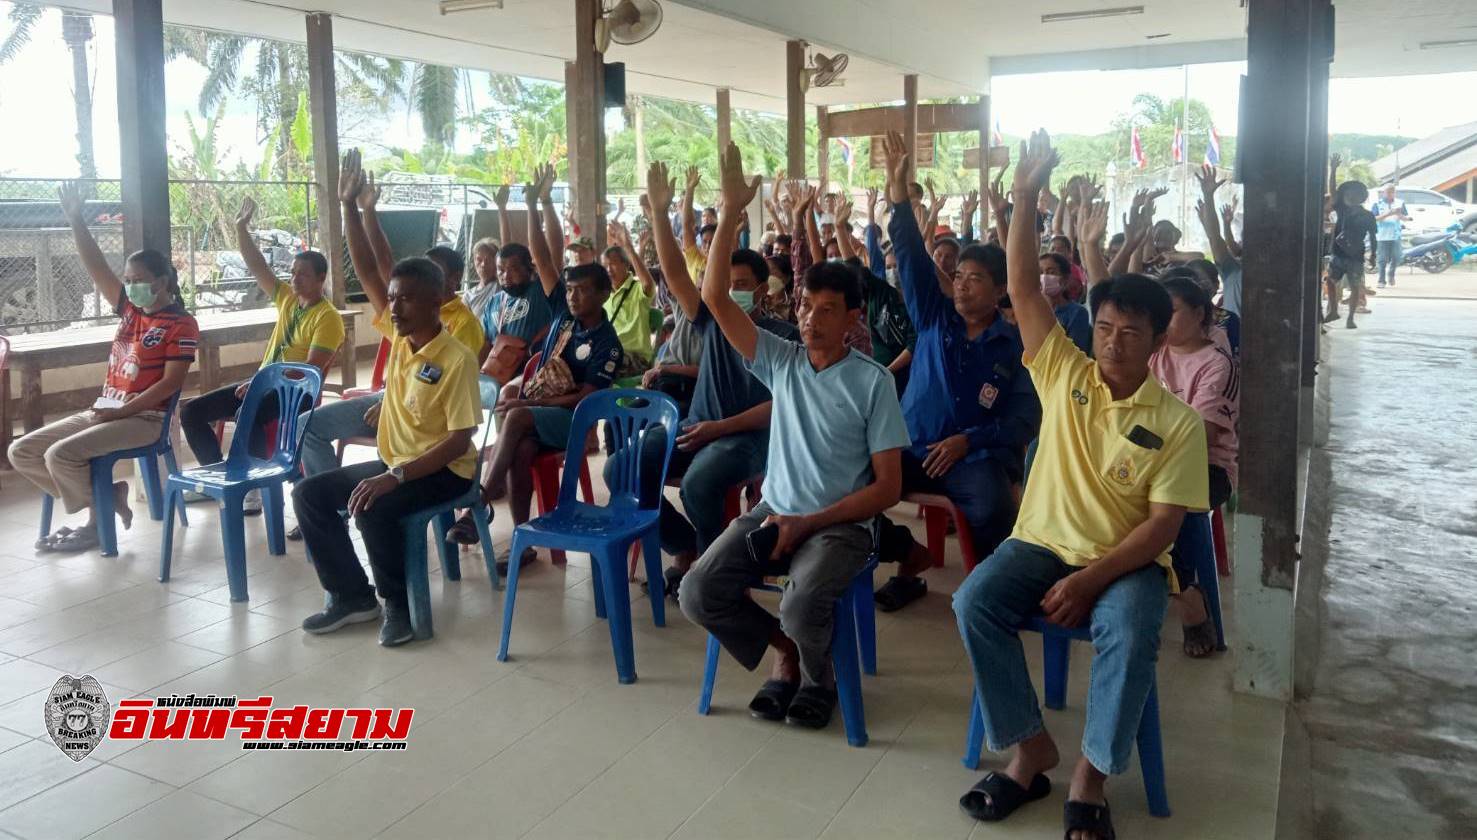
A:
{"x": 824, "y": 71}
{"x": 627, "y": 22}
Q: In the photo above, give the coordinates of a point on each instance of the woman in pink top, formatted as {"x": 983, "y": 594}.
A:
{"x": 1203, "y": 374}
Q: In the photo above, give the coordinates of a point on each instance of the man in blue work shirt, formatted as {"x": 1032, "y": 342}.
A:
{"x": 1389, "y": 212}
{"x": 970, "y": 405}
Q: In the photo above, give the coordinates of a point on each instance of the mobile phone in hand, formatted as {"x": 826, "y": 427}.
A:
{"x": 762, "y": 541}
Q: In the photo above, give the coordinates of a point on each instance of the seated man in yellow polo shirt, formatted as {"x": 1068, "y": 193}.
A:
{"x": 1119, "y": 463}
{"x": 308, "y": 330}
{"x": 426, "y": 457}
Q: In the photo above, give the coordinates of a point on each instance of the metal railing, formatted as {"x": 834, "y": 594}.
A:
{"x": 43, "y": 286}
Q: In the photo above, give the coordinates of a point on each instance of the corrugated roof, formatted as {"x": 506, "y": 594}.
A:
{"x": 1431, "y": 153}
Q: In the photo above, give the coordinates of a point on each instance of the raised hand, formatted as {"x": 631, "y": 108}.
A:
{"x": 1095, "y": 222}
{"x": 694, "y": 177}
{"x": 248, "y": 209}
{"x": 971, "y": 204}
{"x": 369, "y": 192}
{"x": 933, "y": 199}
{"x": 618, "y": 235}
{"x": 350, "y": 177}
{"x": 896, "y": 153}
{"x": 546, "y": 186}
{"x": 532, "y": 187}
{"x": 1208, "y": 183}
{"x": 500, "y": 197}
{"x": 1228, "y": 211}
{"x": 736, "y": 189}
{"x": 871, "y": 204}
{"x": 1038, "y": 158}
{"x": 70, "y": 196}
{"x": 660, "y": 187}
{"x": 620, "y": 207}
{"x": 995, "y": 194}
{"x": 843, "y": 213}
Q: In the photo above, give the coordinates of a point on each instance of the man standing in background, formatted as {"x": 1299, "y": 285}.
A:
{"x": 1389, "y": 212}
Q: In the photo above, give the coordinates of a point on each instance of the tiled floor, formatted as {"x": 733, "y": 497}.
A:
{"x": 546, "y": 745}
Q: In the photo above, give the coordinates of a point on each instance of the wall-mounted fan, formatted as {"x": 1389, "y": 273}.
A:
{"x": 824, "y": 71}
{"x": 628, "y": 22}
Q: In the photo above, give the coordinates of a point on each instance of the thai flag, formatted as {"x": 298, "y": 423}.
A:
{"x": 1178, "y": 151}
{"x": 997, "y": 139}
{"x": 1137, "y": 150}
{"x": 845, "y": 151}
{"x": 1213, "y": 149}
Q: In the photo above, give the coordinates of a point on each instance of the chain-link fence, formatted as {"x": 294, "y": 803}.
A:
{"x": 44, "y": 287}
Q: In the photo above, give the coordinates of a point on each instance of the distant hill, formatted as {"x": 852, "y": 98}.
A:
{"x": 1366, "y": 146}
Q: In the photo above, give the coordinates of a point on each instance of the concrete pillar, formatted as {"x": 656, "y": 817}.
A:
{"x": 138, "y": 31}
{"x": 323, "y": 108}
{"x": 725, "y": 119}
{"x": 794, "y": 110}
{"x": 910, "y": 122}
{"x": 571, "y": 128}
{"x": 1276, "y": 154}
{"x": 1319, "y": 57}
{"x": 822, "y": 149}
{"x": 985, "y": 223}
{"x": 587, "y": 149}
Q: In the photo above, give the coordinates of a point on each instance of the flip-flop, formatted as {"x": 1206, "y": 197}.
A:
{"x": 81, "y": 540}
{"x": 773, "y": 700}
{"x": 811, "y": 707}
{"x": 46, "y": 542}
{"x": 529, "y": 556}
{"x": 1084, "y": 816}
{"x": 997, "y": 796}
{"x": 899, "y": 592}
{"x": 464, "y": 532}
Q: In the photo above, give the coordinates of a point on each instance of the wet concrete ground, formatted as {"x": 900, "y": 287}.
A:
{"x": 1392, "y": 715}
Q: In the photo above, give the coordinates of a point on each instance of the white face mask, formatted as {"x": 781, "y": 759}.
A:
{"x": 1051, "y": 284}
{"x": 892, "y": 276}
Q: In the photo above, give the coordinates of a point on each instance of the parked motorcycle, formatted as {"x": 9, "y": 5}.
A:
{"x": 1436, "y": 252}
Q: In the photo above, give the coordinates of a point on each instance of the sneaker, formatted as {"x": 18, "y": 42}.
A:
{"x": 396, "y": 630}
{"x": 252, "y": 504}
{"x": 338, "y": 612}
{"x": 296, "y": 534}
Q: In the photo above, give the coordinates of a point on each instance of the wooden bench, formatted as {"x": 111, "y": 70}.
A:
{"x": 31, "y": 354}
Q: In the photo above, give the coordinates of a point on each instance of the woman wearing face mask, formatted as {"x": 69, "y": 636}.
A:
{"x": 152, "y": 352}
{"x": 1055, "y": 269}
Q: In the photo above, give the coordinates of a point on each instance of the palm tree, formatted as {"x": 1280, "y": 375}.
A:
{"x": 76, "y": 33}
{"x": 275, "y": 81}
{"x": 433, "y": 90}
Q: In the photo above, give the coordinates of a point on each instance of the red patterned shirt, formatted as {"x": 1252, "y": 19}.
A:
{"x": 143, "y": 343}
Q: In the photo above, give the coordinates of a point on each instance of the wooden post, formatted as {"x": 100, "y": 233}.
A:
{"x": 638, "y": 120}
{"x": 571, "y": 128}
{"x": 1275, "y": 267}
{"x": 794, "y": 110}
{"x": 587, "y": 151}
{"x": 985, "y": 223}
{"x": 725, "y": 119}
{"x": 1316, "y": 172}
{"x": 323, "y": 108}
{"x": 138, "y": 31}
{"x": 822, "y": 149}
{"x": 910, "y": 123}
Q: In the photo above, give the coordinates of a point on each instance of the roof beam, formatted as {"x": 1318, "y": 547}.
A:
{"x": 1122, "y": 58}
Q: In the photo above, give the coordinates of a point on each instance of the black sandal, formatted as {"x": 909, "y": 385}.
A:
{"x": 773, "y": 700}
{"x": 1084, "y": 816}
{"x": 899, "y": 592}
{"x": 997, "y": 796}
{"x": 82, "y": 539}
{"x": 464, "y": 532}
{"x": 812, "y": 707}
{"x": 1200, "y": 637}
{"x": 529, "y": 556}
{"x": 48, "y": 542}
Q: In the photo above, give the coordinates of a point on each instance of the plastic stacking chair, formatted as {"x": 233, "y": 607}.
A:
{"x": 1222, "y": 555}
{"x": 102, "y": 484}
{"x": 1056, "y": 643}
{"x": 605, "y": 533}
{"x": 546, "y": 469}
{"x": 732, "y": 507}
{"x": 855, "y": 627}
{"x": 377, "y": 378}
{"x": 937, "y": 510}
{"x": 417, "y": 572}
{"x": 230, "y": 480}
{"x": 1196, "y": 539}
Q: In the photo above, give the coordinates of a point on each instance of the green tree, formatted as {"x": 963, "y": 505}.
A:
{"x": 76, "y": 34}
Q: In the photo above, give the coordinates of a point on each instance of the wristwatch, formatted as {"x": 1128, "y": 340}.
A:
{"x": 399, "y": 473}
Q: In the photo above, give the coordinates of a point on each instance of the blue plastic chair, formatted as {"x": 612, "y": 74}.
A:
{"x": 442, "y": 516}
{"x": 230, "y": 480}
{"x": 102, "y": 485}
{"x": 855, "y": 627}
{"x": 605, "y": 533}
{"x": 1056, "y": 640}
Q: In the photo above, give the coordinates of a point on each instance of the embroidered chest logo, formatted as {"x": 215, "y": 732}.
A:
{"x": 429, "y": 374}
{"x": 153, "y": 337}
{"x": 582, "y": 352}
{"x": 988, "y": 394}
{"x": 1123, "y": 472}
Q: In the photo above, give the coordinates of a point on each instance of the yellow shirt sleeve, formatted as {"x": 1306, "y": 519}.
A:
{"x": 463, "y": 325}
{"x": 697, "y": 264}
{"x": 382, "y": 323}
{"x": 1183, "y": 478}
{"x": 328, "y": 329}
{"x": 463, "y": 402}
{"x": 1056, "y": 359}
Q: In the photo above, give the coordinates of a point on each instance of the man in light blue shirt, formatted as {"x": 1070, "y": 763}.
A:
{"x": 835, "y": 462}
{"x": 1389, "y": 212}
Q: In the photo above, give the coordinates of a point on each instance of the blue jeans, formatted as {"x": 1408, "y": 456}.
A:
{"x": 997, "y": 599}
{"x": 1387, "y": 255}
{"x": 331, "y": 423}
{"x": 707, "y": 476}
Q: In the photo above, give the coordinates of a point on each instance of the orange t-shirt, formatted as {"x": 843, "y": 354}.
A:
{"x": 143, "y": 343}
